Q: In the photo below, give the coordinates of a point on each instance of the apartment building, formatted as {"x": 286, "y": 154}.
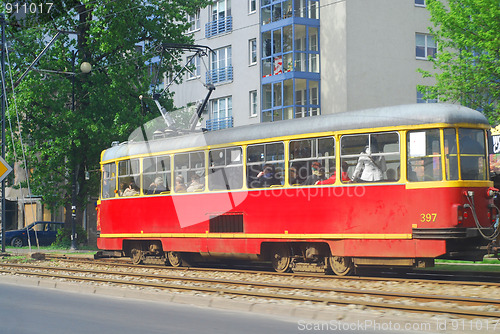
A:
{"x": 282, "y": 59}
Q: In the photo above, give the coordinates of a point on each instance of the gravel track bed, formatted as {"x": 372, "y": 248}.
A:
{"x": 481, "y": 291}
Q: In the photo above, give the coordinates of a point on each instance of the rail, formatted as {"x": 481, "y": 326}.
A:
{"x": 457, "y": 305}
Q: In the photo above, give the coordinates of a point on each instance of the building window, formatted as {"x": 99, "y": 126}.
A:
{"x": 221, "y": 9}
{"x": 420, "y": 3}
{"x": 276, "y": 10}
{"x": 288, "y": 51}
{"x": 290, "y": 48}
{"x": 252, "y": 6}
{"x": 194, "y": 21}
{"x": 313, "y": 9}
{"x": 221, "y": 114}
{"x": 194, "y": 68}
{"x": 421, "y": 97}
{"x": 222, "y": 21}
{"x": 222, "y": 108}
{"x": 221, "y": 66}
{"x": 253, "y": 103}
{"x": 252, "y": 51}
{"x": 291, "y": 98}
{"x": 425, "y": 46}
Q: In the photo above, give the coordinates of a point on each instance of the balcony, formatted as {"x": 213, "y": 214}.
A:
{"x": 219, "y": 26}
{"x": 219, "y": 123}
{"x": 218, "y": 75}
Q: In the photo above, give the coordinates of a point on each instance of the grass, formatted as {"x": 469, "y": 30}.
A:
{"x": 486, "y": 260}
{"x": 52, "y": 249}
{"x": 489, "y": 264}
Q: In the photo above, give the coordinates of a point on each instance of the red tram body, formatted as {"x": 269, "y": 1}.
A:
{"x": 431, "y": 209}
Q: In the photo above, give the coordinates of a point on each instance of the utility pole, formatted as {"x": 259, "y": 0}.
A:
{"x": 4, "y": 89}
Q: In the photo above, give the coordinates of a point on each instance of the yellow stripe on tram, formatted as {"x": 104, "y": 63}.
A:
{"x": 403, "y": 236}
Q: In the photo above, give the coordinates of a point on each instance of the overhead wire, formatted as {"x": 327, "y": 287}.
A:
{"x": 4, "y": 88}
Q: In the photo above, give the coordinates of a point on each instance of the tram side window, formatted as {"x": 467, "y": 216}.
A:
{"x": 156, "y": 174}
{"x": 128, "y": 177}
{"x": 371, "y": 157}
{"x": 424, "y": 156}
{"x": 226, "y": 169}
{"x": 308, "y": 153}
{"x": 265, "y": 165}
{"x": 189, "y": 171}
{"x": 108, "y": 180}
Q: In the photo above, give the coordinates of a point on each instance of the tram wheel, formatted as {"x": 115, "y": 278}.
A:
{"x": 175, "y": 259}
{"x": 282, "y": 258}
{"x": 137, "y": 256}
{"x": 340, "y": 265}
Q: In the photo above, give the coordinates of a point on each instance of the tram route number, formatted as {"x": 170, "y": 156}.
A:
{"x": 428, "y": 217}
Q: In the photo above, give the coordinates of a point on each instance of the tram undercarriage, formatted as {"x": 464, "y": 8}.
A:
{"x": 288, "y": 257}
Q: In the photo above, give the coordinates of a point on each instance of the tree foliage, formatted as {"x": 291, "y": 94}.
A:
{"x": 468, "y": 61}
{"x": 61, "y": 142}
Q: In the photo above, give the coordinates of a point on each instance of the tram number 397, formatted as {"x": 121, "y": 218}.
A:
{"x": 428, "y": 217}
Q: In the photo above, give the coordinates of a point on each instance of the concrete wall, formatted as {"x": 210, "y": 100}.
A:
{"x": 333, "y": 44}
{"x": 381, "y": 67}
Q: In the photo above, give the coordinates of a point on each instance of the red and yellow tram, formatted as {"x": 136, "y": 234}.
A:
{"x": 252, "y": 192}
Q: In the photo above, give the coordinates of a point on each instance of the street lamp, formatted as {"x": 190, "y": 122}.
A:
{"x": 85, "y": 67}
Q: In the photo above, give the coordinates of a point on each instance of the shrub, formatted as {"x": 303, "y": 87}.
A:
{"x": 63, "y": 238}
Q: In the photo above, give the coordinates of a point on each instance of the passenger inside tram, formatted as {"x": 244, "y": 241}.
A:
{"x": 157, "y": 186}
{"x": 180, "y": 186}
{"x": 267, "y": 177}
{"x": 317, "y": 174}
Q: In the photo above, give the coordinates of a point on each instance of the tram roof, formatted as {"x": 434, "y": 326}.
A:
{"x": 394, "y": 116}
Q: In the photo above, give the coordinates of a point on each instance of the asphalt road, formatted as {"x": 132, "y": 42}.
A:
{"x": 35, "y": 310}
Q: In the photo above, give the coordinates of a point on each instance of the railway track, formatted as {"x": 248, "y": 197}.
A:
{"x": 418, "y": 277}
{"x": 467, "y": 307}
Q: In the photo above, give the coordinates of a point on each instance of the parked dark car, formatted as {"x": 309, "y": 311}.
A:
{"x": 46, "y": 233}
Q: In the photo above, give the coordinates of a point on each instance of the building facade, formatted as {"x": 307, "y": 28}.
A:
{"x": 282, "y": 59}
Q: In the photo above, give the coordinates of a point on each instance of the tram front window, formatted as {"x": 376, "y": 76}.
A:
{"x": 472, "y": 154}
{"x": 467, "y": 162}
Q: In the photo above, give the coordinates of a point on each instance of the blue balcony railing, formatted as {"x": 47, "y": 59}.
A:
{"x": 219, "y": 123}
{"x": 219, "y": 26}
{"x": 219, "y": 75}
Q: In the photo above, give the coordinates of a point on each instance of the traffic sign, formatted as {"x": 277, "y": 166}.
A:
{"x": 5, "y": 169}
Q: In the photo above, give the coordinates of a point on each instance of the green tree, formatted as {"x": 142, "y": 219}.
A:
{"x": 61, "y": 143}
{"x": 467, "y": 65}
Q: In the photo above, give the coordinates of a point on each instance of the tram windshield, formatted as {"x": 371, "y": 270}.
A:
{"x": 465, "y": 161}
{"x": 472, "y": 146}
